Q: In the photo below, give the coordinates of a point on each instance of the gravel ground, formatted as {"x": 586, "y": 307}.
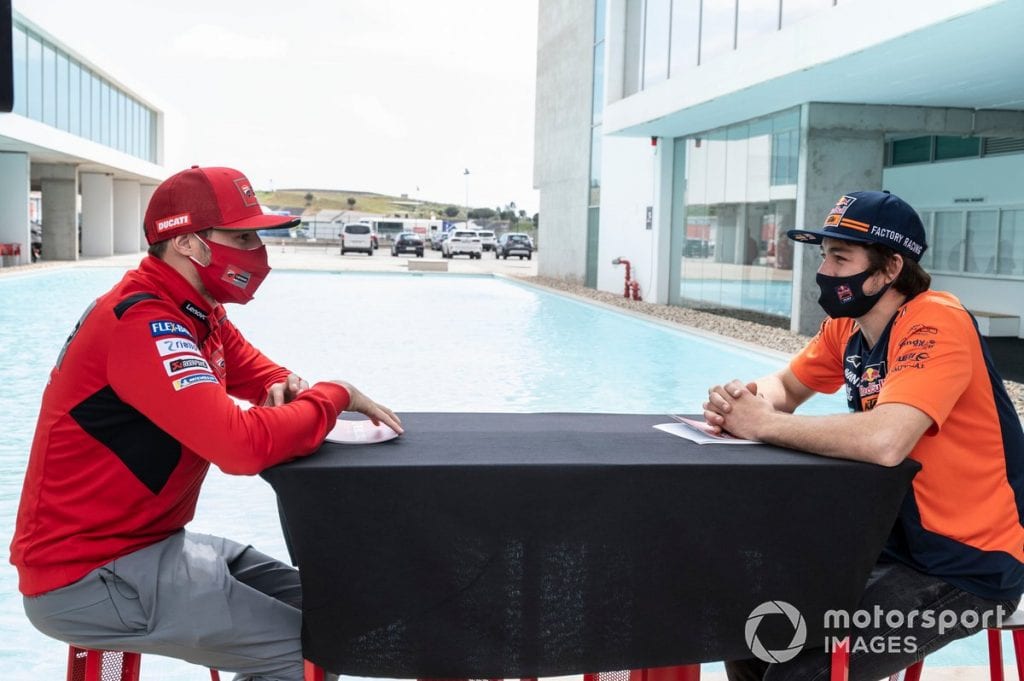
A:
{"x": 750, "y": 327}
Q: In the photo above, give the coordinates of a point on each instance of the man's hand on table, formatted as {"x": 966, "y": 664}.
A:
{"x": 377, "y": 413}
{"x": 737, "y": 409}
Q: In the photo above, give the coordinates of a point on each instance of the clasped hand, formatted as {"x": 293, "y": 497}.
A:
{"x": 737, "y": 409}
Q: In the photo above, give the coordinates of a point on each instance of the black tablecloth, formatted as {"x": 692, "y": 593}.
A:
{"x": 509, "y": 545}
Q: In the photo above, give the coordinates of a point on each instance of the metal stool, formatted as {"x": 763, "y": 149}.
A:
{"x": 86, "y": 664}
{"x": 1015, "y": 625}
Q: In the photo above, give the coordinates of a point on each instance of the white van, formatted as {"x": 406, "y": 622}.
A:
{"x": 357, "y": 237}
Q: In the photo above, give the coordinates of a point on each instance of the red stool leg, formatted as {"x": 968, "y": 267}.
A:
{"x": 995, "y": 655}
{"x": 841, "y": 661}
{"x": 76, "y": 663}
{"x": 130, "y": 664}
{"x": 312, "y": 672}
{"x": 1018, "y": 652}
{"x": 913, "y": 672}
{"x": 214, "y": 675}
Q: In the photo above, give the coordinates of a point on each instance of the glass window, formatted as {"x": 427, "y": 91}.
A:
{"x": 19, "y": 50}
{"x": 597, "y": 105}
{"x": 86, "y": 103}
{"x": 147, "y": 121}
{"x": 685, "y": 35}
{"x": 785, "y": 157}
{"x": 74, "y": 97}
{"x": 97, "y": 109}
{"x": 1011, "y": 243}
{"x": 717, "y": 29}
{"x": 656, "y": 26}
{"x": 599, "y": 19}
{"x": 136, "y": 147}
{"x": 63, "y": 93}
{"x": 956, "y": 147}
{"x": 595, "y": 166}
{"x": 926, "y": 220}
{"x": 105, "y": 113}
{"x": 49, "y": 85}
{"x": 911, "y": 150}
{"x": 795, "y": 10}
{"x": 35, "y": 78}
{"x": 631, "y": 64}
{"x": 947, "y": 246}
{"x": 755, "y": 18}
{"x": 122, "y": 121}
{"x": 981, "y": 241}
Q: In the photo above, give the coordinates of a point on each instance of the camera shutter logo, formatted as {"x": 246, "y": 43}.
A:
{"x": 799, "y": 631}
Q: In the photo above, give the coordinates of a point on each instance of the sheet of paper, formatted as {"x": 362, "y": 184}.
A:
{"x": 700, "y": 432}
{"x": 360, "y": 433}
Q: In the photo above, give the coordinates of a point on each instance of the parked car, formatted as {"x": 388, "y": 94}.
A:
{"x": 436, "y": 238}
{"x": 407, "y": 242}
{"x": 461, "y": 242}
{"x": 486, "y": 239}
{"x": 514, "y": 243}
{"x": 357, "y": 237}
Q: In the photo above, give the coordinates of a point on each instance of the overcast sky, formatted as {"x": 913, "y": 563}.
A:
{"x": 392, "y": 96}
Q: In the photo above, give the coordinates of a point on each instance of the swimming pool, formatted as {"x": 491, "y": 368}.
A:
{"x": 517, "y": 348}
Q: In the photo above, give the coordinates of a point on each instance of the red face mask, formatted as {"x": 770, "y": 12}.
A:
{"x": 233, "y": 274}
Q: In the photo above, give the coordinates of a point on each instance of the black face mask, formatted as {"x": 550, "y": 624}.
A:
{"x": 845, "y": 297}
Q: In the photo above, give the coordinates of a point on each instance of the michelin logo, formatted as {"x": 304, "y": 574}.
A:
{"x": 195, "y": 379}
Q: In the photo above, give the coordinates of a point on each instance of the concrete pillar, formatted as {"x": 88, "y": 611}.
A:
{"x": 835, "y": 157}
{"x": 145, "y": 194}
{"x": 59, "y": 186}
{"x": 15, "y": 184}
{"x": 127, "y": 219}
{"x": 97, "y": 214}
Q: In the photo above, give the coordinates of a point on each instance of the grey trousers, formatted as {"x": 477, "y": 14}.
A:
{"x": 199, "y": 598}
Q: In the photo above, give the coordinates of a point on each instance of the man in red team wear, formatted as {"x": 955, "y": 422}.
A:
{"x": 137, "y": 408}
{"x": 919, "y": 383}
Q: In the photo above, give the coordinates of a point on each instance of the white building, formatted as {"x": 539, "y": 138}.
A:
{"x": 688, "y": 135}
{"x": 90, "y": 145}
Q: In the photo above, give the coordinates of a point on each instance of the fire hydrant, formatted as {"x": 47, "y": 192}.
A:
{"x": 631, "y": 286}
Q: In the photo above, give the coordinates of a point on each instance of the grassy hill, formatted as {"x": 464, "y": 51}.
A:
{"x": 366, "y": 202}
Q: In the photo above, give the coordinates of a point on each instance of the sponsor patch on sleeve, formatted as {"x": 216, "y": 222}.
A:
{"x": 194, "y": 379}
{"x": 174, "y": 346}
{"x": 185, "y": 363}
{"x": 168, "y": 328}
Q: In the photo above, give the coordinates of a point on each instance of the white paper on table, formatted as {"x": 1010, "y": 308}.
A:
{"x": 360, "y": 433}
{"x": 700, "y": 432}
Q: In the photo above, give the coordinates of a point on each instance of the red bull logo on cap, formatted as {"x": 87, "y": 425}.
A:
{"x": 839, "y": 210}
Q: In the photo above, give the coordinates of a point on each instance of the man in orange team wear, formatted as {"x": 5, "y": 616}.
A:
{"x": 138, "y": 406}
{"x": 920, "y": 383}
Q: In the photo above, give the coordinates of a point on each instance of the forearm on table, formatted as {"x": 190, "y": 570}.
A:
{"x": 862, "y": 436}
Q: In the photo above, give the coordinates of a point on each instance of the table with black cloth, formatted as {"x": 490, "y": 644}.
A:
{"x": 522, "y": 545}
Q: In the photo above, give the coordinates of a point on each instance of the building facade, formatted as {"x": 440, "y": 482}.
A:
{"x": 80, "y": 154}
{"x": 687, "y": 136}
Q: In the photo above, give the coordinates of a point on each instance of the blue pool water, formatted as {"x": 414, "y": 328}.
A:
{"x": 415, "y": 343}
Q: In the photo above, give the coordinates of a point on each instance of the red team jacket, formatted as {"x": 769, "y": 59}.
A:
{"x": 137, "y": 407}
